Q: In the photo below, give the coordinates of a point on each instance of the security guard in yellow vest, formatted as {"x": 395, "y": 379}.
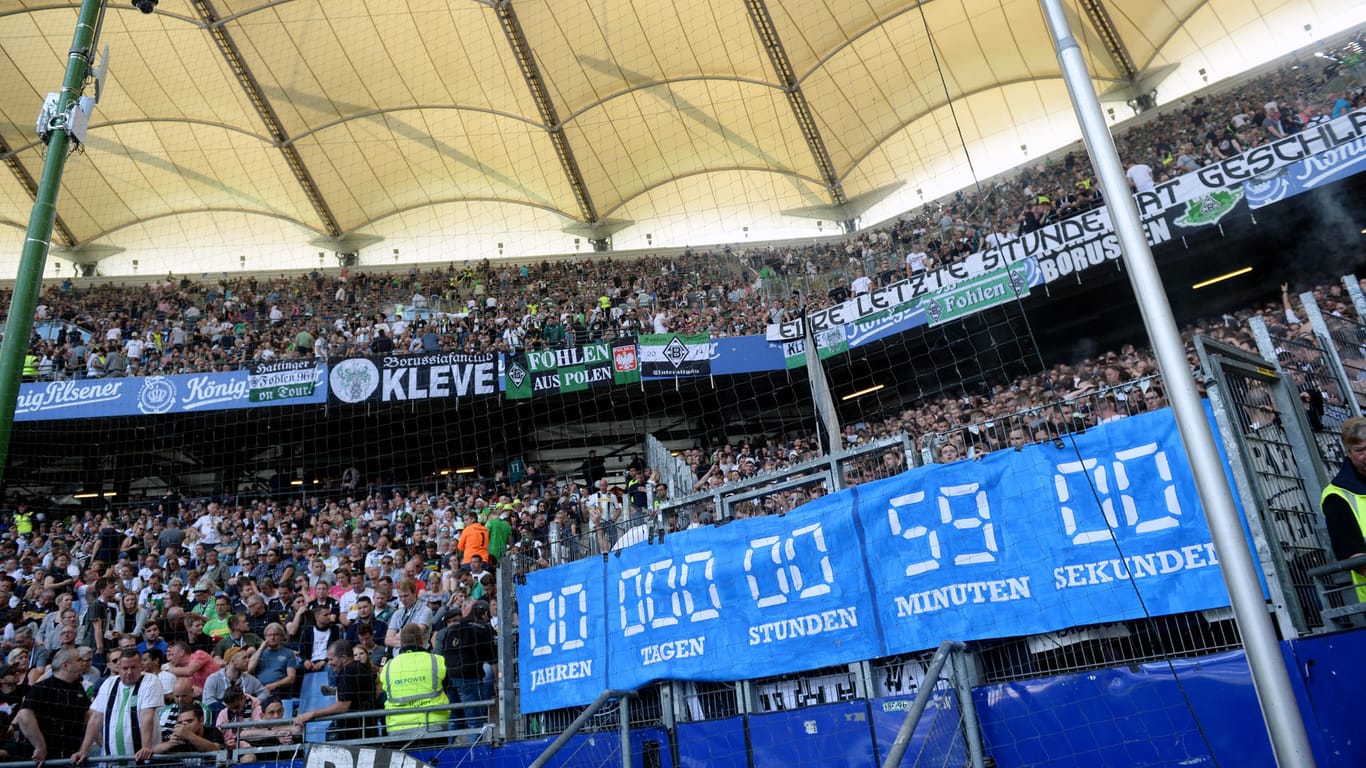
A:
{"x": 1344, "y": 502}
{"x": 23, "y": 520}
{"x": 414, "y": 678}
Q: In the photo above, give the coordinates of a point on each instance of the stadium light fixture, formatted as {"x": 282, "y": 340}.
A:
{"x": 465, "y": 471}
{"x": 296, "y": 482}
{"x": 110, "y": 494}
{"x": 862, "y": 392}
{"x": 89, "y": 495}
{"x": 1221, "y": 278}
{"x": 444, "y": 472}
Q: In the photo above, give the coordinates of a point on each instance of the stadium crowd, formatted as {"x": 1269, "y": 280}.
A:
{"x": 206, "y": 614}
{"x": 184, "y": 326}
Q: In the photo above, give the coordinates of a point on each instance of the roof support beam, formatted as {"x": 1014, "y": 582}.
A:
{"x": 531, "y": 73}
{"x": 30, "y": 185}
{"x": 1105, "y": 27}
{"x": 787, "y": 79}
{"x": 209, "y": 17}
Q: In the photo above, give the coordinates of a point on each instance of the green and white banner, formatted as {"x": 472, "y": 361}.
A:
{"x": 673, "y": 354}
{"x": 544, "y": 372}
{"x": 952, "y": 303}
{"x": 979, "y": 293}
{"x": 829, "y": 342}
{"x": 283, "y": 380}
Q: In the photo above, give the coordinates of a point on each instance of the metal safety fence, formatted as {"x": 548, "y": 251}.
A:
{"x": 1045, "y": 423}
{"x": 1278, "y": 475}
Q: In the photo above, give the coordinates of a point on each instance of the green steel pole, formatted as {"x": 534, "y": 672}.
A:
{"x": 29, "y": 280}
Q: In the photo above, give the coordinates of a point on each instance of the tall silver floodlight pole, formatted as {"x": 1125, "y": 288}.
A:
{"x": 1269, "y": 676}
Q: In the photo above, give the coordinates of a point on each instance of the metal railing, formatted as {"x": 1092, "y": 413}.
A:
{"x": 568, "y": 542}
{"x": 1045, "y": 423}
{"x": 369, "y": 716}
{"x": 1076, "y": 649}
{"x": 836, "y": 470}
{"x": 1306, "y": 360}
{"x": 229, "y": 756}
{"x": 1079, "y": 649}
{"x": 168, "y": 760}
{"x": 1341, "y": 597}
{"x": 676, "y": 473}
{"x": 949, "y": 651}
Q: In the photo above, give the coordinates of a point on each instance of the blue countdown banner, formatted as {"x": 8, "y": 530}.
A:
{"x": 561, "y": 653}
{"x": 1041, "y": 539}
{"x": 1107, "y": 528}
{"x": 775, "y": 585}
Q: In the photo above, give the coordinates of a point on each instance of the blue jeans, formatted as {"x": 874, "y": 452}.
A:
{"x": 472, "y": 690}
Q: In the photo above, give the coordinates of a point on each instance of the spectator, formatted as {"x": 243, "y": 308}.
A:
{"x": 356, "y": 692}
{"x": 1140, "y": 176}
{"x": 52, "y": 716}
{"x": 411, "y": 610}
{"x": 151, "y": 640}
{"x": 195, "y": 666}
{"x": 153, "y": 661}
{"x": 238, "y": 707}
{"x": 468, "y": 645}
{"x": 273, "y": 735}
{"x": 190, "y": 734}
{"x": 97, "y": 626}
{"x": 233, "y": 674}
{"x": 123, "y": 715}
{"x": 274, "y": 665}
{"x": 182, "y": 697}
{"x": 238, "y": 636}
{"x": 315, "y": 639}
{"x": 131, "y": 615}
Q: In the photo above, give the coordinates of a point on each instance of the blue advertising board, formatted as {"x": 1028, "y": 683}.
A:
{"x": 1305, "y": 175}
{"x": 292, "y": 382}
{"x": 1105, "y": 529}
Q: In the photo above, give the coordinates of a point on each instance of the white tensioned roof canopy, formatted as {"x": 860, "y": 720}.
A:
{"x": 346, "y": 122}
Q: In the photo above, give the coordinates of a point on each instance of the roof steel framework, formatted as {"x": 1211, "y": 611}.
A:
{"x": 266, "y": 112}
{"x": 801, "y": 110}
{"x": 337, "y": 116}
